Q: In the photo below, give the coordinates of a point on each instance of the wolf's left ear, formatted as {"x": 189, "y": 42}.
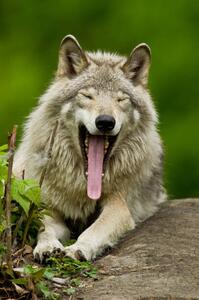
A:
{"x": 137, "y": 65}
{"x": 72, "y": 59}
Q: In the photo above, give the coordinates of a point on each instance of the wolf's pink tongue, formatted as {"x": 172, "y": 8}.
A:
{"x": 95, "y": 166}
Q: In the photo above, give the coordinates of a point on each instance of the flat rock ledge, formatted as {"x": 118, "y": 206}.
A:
{"x": 158, "y": 260}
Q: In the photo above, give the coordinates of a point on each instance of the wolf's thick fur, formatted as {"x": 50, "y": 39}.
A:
{"x": 86, "y": 86}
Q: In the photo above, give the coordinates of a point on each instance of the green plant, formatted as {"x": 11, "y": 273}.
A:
{"x": 65, "y": 266}
{"x": 21, "y": 213}
{"x": 25, "y": 206}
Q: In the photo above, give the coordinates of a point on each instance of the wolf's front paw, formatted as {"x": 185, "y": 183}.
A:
{"x": 78, "y": 251}
{"x": 45, "y": 248}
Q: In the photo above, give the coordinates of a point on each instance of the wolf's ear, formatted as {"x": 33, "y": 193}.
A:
{"x": 72, "y": 59}
{"x": 137, "y": 65}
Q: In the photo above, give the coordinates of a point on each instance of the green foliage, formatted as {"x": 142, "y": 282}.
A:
{"x": 26, "y": 215}
{"x": 24, "y": 194}
{"x": 73, "y": 270}
{"x": 62, "y": 268}
{"x": 65, "y": 266}
{"x": 46, "y": 292}
{"x": 36, "y": 275}
{"x": 70, "y": 291}
{"x": 35, "y": 272}
{"x": 20, "y": 281}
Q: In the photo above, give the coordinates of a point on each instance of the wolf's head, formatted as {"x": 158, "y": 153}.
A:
{"x": 102, "y": 100}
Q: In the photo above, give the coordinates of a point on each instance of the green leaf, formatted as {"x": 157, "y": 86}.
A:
{"x": 38, "y": 275}
{"x": 32, "y": 191}
{"x": 1, "y": 189}
{"x": 25, "y": 192}
{"x": 3, "y": 171}
{"x": 91, "y": 274}
{"x": 29, "y": 189}
{"x": 76, "y": 281}
{"x": 3, "y": 155}
{"x": 28, "y": 269}
{"x": 20, "y": 281}
{"x": 48, "y": 273}
{"x": 70, "y": 291}
{"x": 42, "y": 287}
{"x": 35, "y": 273}
{"x": 17, "y": 195}
{"x": 69, "y": 242}
{"x": 3, "y": 148}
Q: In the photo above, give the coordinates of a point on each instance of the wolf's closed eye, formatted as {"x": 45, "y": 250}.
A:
{"x": 121, "y": 99}
{"x": 86, "y": 96}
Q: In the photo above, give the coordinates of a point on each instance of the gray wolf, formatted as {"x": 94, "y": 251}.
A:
{"x": 105, "y": 172}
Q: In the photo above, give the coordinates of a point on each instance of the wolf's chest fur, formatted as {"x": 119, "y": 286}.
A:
{"x": 64, "y": 186}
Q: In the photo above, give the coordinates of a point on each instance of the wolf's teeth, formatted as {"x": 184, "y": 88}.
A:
{"x": 105, "y": 150}
{"x": 106, "y": 143}
{"x": 102, "y": 174}
{"x": 86, "y": 173}
{"x": 86, "y": 141}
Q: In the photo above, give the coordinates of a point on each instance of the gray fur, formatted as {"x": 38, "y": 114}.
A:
{"x": 133, "y": 176}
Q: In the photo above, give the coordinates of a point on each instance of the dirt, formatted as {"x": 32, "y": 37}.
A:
{"x": 158, "y": 260}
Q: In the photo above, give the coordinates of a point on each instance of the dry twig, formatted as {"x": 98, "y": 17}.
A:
{"x": 49, "y": 153}
{"x": 11, "y": 149}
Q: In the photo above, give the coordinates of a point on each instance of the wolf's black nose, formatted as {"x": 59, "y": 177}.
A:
{"x": 105, "y": 123}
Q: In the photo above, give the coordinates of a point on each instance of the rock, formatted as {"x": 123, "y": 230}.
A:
{"x": 158, "y": 260}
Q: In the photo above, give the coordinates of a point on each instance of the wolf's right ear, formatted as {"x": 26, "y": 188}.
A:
{"x": 137, "y": 65}
{"x": 72, "y": 59}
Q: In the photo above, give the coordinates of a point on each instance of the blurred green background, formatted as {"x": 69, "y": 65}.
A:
{"x": 30, "y": 33}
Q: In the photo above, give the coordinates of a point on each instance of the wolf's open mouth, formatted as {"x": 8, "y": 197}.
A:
{"x": 96, "y": 150}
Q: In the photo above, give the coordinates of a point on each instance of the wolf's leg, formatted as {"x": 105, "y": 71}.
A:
{"x": 49, "y": 239}
{"x": 112, "y": 223}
